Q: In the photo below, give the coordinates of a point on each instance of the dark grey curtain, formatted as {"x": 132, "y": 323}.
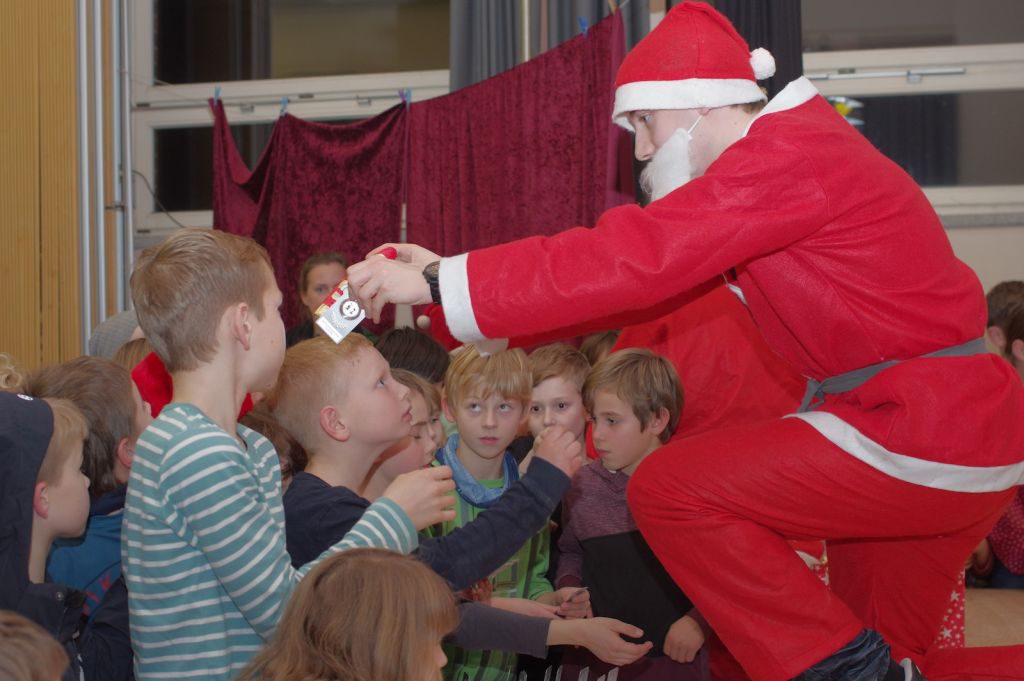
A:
{"x": 486, "y": 35}
{"x": 775, "y": 26}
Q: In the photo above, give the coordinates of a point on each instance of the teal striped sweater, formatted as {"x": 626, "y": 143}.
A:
{"x": 203, "y": 546}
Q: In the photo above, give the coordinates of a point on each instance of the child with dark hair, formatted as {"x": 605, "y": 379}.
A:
{"x": 415, "y": 351}
{"x": 635, "y": 401}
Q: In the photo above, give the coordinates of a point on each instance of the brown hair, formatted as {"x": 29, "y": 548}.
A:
{"x": 182, "y": 287}
{"x": 102, "y": 391}
{"x": 559, "y": 360}
{"x": 307, "y": 267}
{"x": 27, "y": 652}
{"x": 645, "y": 381}
{"x": 361, "y": 614}
{"x": 505, "y": 373}
{"x": 428, "y": 391}
{"x": 10, "y": 378}
{"x": 69, "y": 429}
{"x": 306, "y": 382}
{"x": 1001, "y": 299}
{"x": 290, "y": 454}
{"x": 131, "y": 353}
{"x": 1014, "y": 329}
{"x": 596, "y": 346}
{"x": 407, "y": 348}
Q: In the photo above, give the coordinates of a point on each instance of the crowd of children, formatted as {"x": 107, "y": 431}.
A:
{"x": 225, "y": 541}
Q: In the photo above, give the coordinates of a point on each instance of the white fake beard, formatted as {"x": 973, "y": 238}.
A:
{"x": 669, "y": 169}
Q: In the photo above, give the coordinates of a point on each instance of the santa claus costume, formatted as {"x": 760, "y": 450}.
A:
{"x": 905, "y": 459}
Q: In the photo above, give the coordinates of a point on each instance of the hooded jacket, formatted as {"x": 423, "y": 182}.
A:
{"x": 101, "y": 650}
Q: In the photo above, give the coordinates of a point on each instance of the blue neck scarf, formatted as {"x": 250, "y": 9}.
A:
{"x": 466, "y": 485}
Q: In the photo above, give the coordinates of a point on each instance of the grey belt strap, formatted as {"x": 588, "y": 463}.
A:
{"x": 816, "y": 390}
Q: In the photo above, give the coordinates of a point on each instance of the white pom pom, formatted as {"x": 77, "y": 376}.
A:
{"x": 423, "y": 321}
{"x": 763, "y": 63}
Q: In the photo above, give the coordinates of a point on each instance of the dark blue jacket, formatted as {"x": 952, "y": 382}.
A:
{"x": 101, "y": 649}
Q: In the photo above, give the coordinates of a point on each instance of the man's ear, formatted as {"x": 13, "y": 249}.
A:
{"x": 447, "y": 410}
{"x": 659, "y": 422}
{"x": 996, "y": 337}
{"x": 125, "y": 453}
{"x": 333, "y": 425}
{"x": 240, "y": 324}
{"x": 41, "y": 500}
{"x": 1017, "y": 349}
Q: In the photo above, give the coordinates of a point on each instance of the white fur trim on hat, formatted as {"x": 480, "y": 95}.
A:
{"x": 763, "y": 63}
{"x": 692, "y": 93}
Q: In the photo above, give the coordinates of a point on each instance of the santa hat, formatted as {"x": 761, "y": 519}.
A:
{"x": 693, "y": 59}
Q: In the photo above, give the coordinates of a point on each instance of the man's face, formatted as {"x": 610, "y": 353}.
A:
{"x": 654, "y": 127}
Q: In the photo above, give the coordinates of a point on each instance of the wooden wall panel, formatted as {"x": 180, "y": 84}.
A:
{"x": 58, "y": 179}
{"x": 20, "y": 321}
{"x": 39, "y": 272}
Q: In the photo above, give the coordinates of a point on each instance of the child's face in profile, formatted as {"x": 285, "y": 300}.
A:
{"x": 69, "y": 498}
{"x": 556, "y": 401}
{"x": 267, "y": 339}
{"x": 620, "y": 442}
{"x": 424, "y": 426}
{"x": 413, "y": 452}
{"x": 375, "y": 407}
{"x": 487, "y": 425}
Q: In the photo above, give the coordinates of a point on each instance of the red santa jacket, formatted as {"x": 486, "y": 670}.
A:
{"x": 843, "y": 264}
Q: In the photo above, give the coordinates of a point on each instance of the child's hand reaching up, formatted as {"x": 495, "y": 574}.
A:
{"x": 684, "y": 639}
{"x": 425, "y": 495}
{"x": 602, "y": 636}
{"x": 560, "y": 448}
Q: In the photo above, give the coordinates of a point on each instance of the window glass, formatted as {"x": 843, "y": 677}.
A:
{"x": 201, "y": 41}
{"x": 880, "y": 24}
{"x": 945, "y": 139}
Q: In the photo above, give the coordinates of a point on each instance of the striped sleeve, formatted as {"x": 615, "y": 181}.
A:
{"x": 208, "y": 479}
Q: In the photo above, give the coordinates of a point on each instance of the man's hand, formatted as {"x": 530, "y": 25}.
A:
{"x": 684, "y": 639}
{"x": 602, "y": 636}
{"x": 378, "y": 281}
{"x": 560, "y": 448}
{"x": 424, "y": 495}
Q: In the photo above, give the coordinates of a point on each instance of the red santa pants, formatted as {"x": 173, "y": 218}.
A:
{"x": 718, "y": 508}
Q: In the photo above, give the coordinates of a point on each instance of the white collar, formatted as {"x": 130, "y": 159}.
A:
{"x": 793, "y": 95}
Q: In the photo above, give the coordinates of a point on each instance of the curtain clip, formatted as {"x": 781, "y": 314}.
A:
{"x": 216, "y": 94}
{"x": 284, "y": 106}
{"x": 405, "y": 94}
{"x": 583, "y": 25}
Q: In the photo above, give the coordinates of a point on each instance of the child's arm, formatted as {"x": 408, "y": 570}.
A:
{"x": 104, "y": 644}
{"x": 482, "y": 627}
{"x": 473, "y": 552}
{"x": 209, "y": 484}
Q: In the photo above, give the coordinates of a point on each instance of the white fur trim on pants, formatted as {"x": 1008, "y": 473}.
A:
{"x": 944, "y": 476}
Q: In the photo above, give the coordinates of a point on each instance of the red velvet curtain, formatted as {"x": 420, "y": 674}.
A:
{"x": 316, "y": 187}
{"x": 529, "y": 151}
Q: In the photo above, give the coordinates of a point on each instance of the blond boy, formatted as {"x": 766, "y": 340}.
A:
{"x": 486, "y": 397}
{"x": 635, "y": 400}
{"x": 203, "y": 544}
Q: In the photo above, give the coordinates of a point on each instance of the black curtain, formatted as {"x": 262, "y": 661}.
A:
{"x": 774, "y": 25}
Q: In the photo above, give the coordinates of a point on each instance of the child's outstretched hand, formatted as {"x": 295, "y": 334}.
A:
{"x": 684, "y": 639}
{"x": 572, "y": 602}
{"x": 560, "y": 448}
{"x": 603, "y": 637}
{"x": 424, "y": 495}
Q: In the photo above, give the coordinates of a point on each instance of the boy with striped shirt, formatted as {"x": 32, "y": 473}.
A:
{"x": 203, "y": 544}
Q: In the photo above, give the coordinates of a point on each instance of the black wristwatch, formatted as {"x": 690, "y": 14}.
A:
{"x": 431, "y": 274}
